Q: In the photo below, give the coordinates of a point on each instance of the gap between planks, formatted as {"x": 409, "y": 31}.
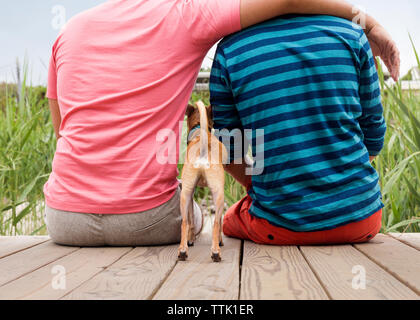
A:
{"x": 23, "y": 262}
{"x": 339, "y": 267}
{"x": 199, "y": 277}
{"x": 13, "y": 244}
{"x": 397, "y": 258}
{"x": 410, "y": 239}
{"x": 278, "y": 272}
{"x": 45, "y": 283}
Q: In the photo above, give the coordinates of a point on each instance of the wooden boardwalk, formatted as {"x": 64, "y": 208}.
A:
{"x": 388, "y": 267}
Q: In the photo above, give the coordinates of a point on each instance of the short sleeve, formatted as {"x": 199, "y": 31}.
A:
{"x": 52, "y": 79}
{"x": 210, "y": 20}
{"x": 226, "y": 118}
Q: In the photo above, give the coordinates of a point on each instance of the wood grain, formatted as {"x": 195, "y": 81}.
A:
{"x": 137, "y": 275}
{"x": 78, "y": 266}
{"x": 10, "y": 245}
{"x": 402, "y": 261}
{"x": 273, "y": 272}
{"x": 334, "y": 267}
{"x": 411, "y": 239}
{"x": 23, "y": 262}
{"x": 201, "y": 278}
{"x": 268, "y": 272}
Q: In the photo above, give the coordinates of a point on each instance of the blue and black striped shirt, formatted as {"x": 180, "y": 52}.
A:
{"x": 310, "y": 83}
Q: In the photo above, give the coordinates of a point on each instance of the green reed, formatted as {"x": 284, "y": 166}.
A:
{"x": 27, "y": 146}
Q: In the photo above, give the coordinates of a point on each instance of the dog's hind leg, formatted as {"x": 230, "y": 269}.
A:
{"x": 217, "y": 227}
{"x": 221, "y": 243}
{"x": 191, "y": 224}
{"x": 189, "y": 180}
{"x": 216, "y": 185}
{"x": 184, "y": 206}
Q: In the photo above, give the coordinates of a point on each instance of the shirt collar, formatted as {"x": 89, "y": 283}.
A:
{"x": 191, "y": 133}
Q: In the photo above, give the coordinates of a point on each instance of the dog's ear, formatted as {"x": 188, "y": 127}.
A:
{"x": 190, "y": 110}
{"x": 209, "y": 110}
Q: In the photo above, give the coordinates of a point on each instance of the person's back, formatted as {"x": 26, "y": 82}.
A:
{"x": 310, "y": 83}
{"x": 121, "y": 72}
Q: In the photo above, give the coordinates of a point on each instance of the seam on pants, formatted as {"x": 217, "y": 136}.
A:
{"x": 153, "y": 224}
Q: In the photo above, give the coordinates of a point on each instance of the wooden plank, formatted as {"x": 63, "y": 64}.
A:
{"x": 402, "y": 261}
{"x": 411, "y": 239}
{"x": 137, "y": 275}
{"x": 334, "y": 267}
{"x": 10, "y": 245}
{"x": 78, "y": 267}
{"x": 23, "y": 262}
{"x": 277, "y": 272}
{"x": 199, "y": 277}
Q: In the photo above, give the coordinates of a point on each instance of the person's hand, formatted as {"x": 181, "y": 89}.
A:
{"x": 384, "y": 47}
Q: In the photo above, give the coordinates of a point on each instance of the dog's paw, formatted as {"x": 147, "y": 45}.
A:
{"x": 182, "y": 256}
{"x": 216, "y": 257}
{"x": 191, "y": 243}
{"x": 221, "y": 244}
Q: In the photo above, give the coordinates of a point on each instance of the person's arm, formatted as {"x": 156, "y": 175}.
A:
{"x": 52, "y": 94}
{"x": 255, "y": 11}
{"x": 227, "y": 121}
{"x": 238, "y": 171}
{"x": 371, "y": 121}
{"x": 55, "y": 116}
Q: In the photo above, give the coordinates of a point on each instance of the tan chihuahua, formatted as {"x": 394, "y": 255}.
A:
{"x": 203, "y": 166}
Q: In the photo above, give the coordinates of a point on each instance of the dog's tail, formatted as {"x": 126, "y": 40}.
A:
{"x": 203, "y": 160}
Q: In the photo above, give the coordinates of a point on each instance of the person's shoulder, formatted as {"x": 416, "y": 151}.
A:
{"x": 81, "y": 18}
{"x": 353, "y": 28}
{"x": 242, "y": 35}
{"x": 295, "y": 21}
{"x": 229, "y": 40}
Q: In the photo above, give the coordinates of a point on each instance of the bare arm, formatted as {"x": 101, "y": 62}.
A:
{"x": 55, "y": 116}
{"x": 255, "y": 11}
{"x": 238, "y": 171}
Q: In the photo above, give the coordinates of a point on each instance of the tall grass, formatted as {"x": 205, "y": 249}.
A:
{"x": 26, "y": 151}
{"x": 27, "y": 145}
{"x": 399, "y": 163}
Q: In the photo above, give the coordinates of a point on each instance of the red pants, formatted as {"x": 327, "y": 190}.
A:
{"x": 238, "y": 223}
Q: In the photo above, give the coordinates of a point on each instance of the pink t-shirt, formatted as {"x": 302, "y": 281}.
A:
{"x": 121, "y": 72}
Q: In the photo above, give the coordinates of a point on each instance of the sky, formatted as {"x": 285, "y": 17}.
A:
{"x": 29, "y": 28}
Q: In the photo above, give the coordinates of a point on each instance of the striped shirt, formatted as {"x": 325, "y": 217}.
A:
{"x": 310, "y": 83}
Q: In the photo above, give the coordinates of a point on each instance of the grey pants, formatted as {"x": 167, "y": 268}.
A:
{"x": 157, "y": 226}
